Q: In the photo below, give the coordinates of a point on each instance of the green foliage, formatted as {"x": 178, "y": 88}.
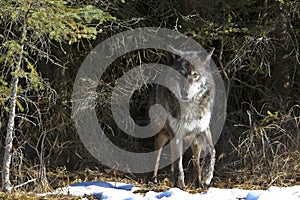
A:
{"x": 31, "y": 26}
{"x": 53, "y": 18}
{"x": 63, "y": 23}
{"x": 36, "y": 82}
{"x": 12, "y": 47}
{"x": 4, "y": 93}
{"x": 271, "y": 117}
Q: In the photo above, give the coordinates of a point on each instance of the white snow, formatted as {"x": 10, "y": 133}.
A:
{"x": 121, "y": 191}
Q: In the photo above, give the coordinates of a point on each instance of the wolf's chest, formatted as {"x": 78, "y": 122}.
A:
{"x": 189, "y": 122}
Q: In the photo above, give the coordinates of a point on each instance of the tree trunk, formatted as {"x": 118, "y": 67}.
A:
{"x": 6, "y": 185}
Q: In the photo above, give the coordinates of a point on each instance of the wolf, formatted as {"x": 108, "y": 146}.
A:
{"x": 187, "y": 117}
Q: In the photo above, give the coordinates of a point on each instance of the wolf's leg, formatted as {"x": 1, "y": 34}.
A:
{"x": 176, "y": 149}
{"x": 160, "y": 140}
{"x": 196, "y": 146}
{"x": 209, "y": 159}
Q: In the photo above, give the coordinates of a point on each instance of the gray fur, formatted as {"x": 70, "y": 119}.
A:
{"x": 195, "y": 90}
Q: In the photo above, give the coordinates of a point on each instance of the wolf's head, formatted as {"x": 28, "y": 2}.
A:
{"x": 194, "y": 78}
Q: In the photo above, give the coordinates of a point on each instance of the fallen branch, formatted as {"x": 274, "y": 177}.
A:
{"x": 21, "y": 185}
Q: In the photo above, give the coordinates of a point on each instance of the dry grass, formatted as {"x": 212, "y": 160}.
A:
{"x": 266, "y": 154}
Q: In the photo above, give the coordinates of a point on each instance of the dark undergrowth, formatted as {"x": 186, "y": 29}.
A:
{"x": 257, "y": 54}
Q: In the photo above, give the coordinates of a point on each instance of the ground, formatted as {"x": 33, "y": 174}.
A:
{"x": 115, "y": 190}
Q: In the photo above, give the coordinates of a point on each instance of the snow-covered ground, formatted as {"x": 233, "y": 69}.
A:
{"x": 118, "y": 191}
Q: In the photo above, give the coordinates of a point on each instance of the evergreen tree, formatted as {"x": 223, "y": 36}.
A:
{"x": 29, "y": 27}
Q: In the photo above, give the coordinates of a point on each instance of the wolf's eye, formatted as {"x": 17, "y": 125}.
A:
{"x": 195, "y": 75}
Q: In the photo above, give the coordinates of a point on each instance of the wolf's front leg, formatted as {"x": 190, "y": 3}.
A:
{"x": 196, "y": 146}
{"x": 176, "y": 149}
{"x": 208, "y": 163}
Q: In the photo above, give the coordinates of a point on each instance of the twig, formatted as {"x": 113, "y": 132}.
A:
{"x": 21, "y": 185}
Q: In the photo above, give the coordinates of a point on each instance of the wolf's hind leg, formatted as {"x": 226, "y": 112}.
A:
{"x": 160, "y": 140}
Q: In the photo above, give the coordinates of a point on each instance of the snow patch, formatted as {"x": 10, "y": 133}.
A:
{"x": 121, "y": 191}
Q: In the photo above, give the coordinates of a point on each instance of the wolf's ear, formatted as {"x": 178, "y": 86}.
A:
{"x": 207, "y": 58}
{"x": 203, "y": 57}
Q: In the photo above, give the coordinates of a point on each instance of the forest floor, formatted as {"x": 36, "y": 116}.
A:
{"x": 91, "y": 184}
